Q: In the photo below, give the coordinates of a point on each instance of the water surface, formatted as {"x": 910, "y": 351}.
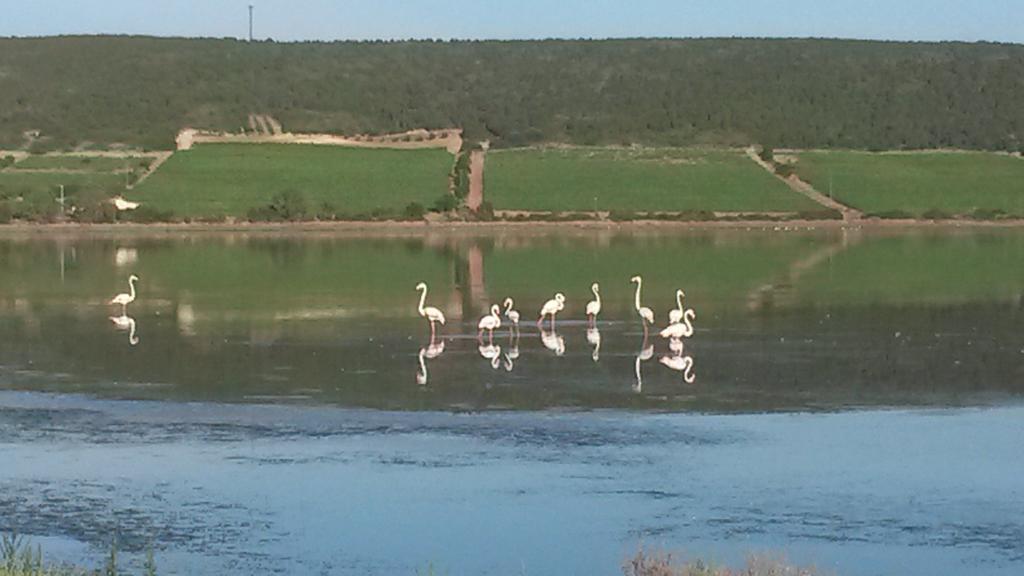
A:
{"x": 276, "y": 405}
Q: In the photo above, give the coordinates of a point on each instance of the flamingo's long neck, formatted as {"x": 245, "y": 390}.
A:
{"x": 639, "y": 282}
{"x": 687, "y": 317}
{"x": 679, "y": 300}
{"x": 508, "y": 305}
{"x": 423, "y": 299}
{"x": 131, "y": 287}
{"x": 597, "y": 295}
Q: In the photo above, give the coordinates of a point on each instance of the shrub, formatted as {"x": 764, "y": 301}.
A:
{"x": 767, "y": 153}
{"x": 415, "y": 211}
{"x": 987, "y": 214}
{"x": 289, "y": 205}
{"x": 819, "y": 214}
{"x": 486, "y": 211}
{"x": 6, "y": 211}
{"x": 936, "y": 214}
{"x": 890, "y": 215}
{"x": 446, "y": 203}
{"x": 6, "y": 161}
{"x": 37, "y": 206}
{"x": 785, "y": 170}
{"x": 326, "y": 212}
{"x": 146, "y": 215}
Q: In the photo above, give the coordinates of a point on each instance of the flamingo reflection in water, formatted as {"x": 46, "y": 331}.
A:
{"x": 552, "y": 341}
{"x": 492, "y": 352}
{"x": 594, "y": 339}
{"x": 678, "y": 362}
{"x": 125, "y": 322}
{"x": 646, "y": 353}
{"x": 429, "y": 352}
{"x": 512, "y": 351}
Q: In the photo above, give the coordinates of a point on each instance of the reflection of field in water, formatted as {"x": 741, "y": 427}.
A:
{"x": 785, "y": 321}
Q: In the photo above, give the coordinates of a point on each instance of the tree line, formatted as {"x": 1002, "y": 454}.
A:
{"x": 139, "y": 91}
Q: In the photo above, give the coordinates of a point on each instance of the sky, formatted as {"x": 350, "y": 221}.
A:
{"x": 967, "y": 20}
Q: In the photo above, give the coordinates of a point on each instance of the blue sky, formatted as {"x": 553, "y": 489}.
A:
{"x": 993, "y": 20}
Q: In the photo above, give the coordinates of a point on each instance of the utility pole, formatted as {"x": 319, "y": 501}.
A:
{"x": 250, "y": 22}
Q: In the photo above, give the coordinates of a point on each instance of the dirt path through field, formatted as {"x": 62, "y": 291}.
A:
{"x": 799, "y": 186}
{"x": 159, "y": 158}
{"x": 476, "y": 179}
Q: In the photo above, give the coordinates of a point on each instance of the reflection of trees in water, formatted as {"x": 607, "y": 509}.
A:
{"x": 283, "y": 252}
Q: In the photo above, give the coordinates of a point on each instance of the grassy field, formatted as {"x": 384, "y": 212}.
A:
{"x": 664, "y": 179}
{"x": 956, "y": 183}
{"x": 231, "y": 179}
{"x": 14, "y": 183}
{"x": 89, "y": 163}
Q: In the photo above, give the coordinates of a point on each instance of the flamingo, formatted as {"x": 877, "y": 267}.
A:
{"x": 682, "y": 364}
{"x": 594, "y": 339}
{"x": 682, "y": 329}
{"x": 676, "y": 314}
{"x": 594, "y": 306}
{"x": 646, "y": 314}
{"x": 490, "y": 322}
{"x": 124, "y": 322}
{"x": 125, "y": 299}
{"x": 512, "y": 315}
{"x": 430, "y": 313}
{"x": 552, "y": 307}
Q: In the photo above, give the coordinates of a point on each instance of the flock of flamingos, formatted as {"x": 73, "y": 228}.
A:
{"x": 680, "y": 326}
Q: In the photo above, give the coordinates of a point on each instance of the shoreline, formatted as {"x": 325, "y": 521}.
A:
{"x": 407, "y": 228}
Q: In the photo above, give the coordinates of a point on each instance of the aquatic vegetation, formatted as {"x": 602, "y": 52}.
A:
{"x": 665, "y": 564}
{"x": 19, "y": 558}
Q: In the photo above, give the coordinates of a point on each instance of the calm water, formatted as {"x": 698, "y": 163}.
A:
{"x": 275, "y": 405}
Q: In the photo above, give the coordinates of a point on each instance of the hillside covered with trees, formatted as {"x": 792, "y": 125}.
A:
{"x": 791, "y": 93}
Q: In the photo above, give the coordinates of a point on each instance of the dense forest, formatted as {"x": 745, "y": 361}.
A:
{"x": 794, "y": 93}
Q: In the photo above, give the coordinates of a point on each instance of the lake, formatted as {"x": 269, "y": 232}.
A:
{"x": 272, "y": 403}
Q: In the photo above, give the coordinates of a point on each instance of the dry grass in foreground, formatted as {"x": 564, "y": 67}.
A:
{"x": 664, "y": 564}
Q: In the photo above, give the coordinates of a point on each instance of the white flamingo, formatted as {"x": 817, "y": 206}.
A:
{"x": 512, "y": 315}
{"x": 429, "y": 312}
{"x": 646, "y": 314}
{"x": 682, "y": 364}
{"x": 552, "y": 307}
{"x": 125, "y": 299}
{"x": 594, "y": 306}
{"x": 124, "y": 322}
{"x": 682, "y": 329}
{"x": 676, "y": 314}
{"x": 490, "y": 322}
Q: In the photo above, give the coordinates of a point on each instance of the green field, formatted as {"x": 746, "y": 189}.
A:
{"x": 87, "y": 163}
{"x": 14, "y": 183}
{"x": 660, "y": 179}
{"x": 956, "y": 183}
{"x": 231, "y": 179}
